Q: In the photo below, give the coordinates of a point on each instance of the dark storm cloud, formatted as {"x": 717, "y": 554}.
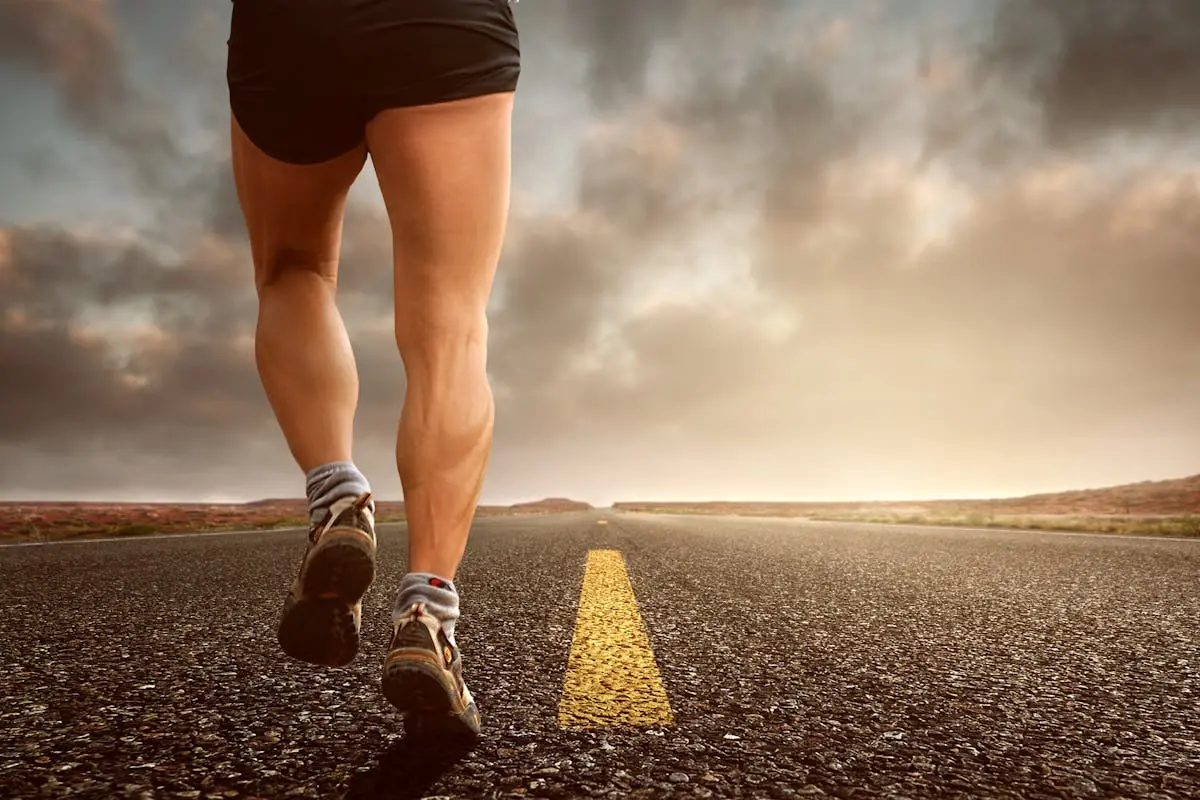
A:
{"x": 1079, "y": 73}
{"x": 75, "y": 45}
{"x": 705, "y": 41}
{"x": 1122, "y": 67}
{"x": 66, "y": 392}
{"x": 803, "y": 131}
{"x": 75, "y": 385}
{"x": 59, "y": 273}
{"x": 619, "y": 37}
{"x": 176, "y": 400}
{"x": 554, "y": 295}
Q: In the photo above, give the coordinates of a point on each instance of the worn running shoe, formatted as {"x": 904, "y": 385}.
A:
{"x": 422, "y": 677}
{"x": 323, "y": 612}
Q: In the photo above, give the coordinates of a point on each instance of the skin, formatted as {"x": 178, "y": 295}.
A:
{"x": 444, "y": 172}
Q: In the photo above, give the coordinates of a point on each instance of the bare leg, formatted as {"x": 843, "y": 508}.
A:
{"x": 444, "y": 171}
{"x": 294, "y": 216}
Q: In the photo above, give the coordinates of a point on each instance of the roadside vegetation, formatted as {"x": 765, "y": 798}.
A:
{"x": 45, "y": 522}
{"x": 43, "y": 532}
{"x": 1149, "y": 508}
{"x": 1186, "y": 525}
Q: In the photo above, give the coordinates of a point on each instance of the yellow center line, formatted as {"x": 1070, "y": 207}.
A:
{"x": 612, "y": 678}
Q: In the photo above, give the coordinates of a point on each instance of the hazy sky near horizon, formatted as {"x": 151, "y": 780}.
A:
{"x": 757, "y": 250}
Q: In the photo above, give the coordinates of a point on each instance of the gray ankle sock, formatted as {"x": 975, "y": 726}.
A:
{"x": 438, "y": 594}
{"x": 331, "y": 482}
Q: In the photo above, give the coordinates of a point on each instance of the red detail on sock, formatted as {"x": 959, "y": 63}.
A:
{"x": 436, "y": 582}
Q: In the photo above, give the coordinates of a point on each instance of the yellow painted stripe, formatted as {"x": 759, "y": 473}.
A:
{"x": 612, "y": 678}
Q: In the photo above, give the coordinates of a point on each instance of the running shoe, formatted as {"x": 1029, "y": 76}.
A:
{"x": 422, "y": 677}
{"x": 323, "y": 612}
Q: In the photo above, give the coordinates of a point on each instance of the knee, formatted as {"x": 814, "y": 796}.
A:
{"x": 280, "y": 267}
{"x": 433, "y": 334}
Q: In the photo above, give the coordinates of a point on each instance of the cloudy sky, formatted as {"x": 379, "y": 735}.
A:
{"x": 757, "y": 250}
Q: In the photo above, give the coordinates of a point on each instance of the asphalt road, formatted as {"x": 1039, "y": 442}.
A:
{"x": 798, "y": 660}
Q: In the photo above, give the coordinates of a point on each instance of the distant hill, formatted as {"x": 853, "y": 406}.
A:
{"x": 550, "y": 505}
{"x": 1176, "y": 496}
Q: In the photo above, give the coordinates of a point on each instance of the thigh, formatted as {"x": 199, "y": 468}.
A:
{"x": 296, "y": 134}
{"x": 444, "y": 171}
{"x": 293, "y": 212}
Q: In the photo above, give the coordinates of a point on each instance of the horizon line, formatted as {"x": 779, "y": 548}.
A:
{"x": 610, "y": 504}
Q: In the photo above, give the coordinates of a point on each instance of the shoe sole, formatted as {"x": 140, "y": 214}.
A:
{"x": 320, "y": 627}
{"x": 415, "y": 684}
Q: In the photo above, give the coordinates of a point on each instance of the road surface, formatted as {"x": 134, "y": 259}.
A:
{"x": 622, "y": 656}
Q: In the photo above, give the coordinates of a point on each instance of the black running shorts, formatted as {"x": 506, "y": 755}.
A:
{"x": 306, "y": 76}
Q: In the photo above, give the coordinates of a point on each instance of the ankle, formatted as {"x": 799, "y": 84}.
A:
{"x": 330, "y": 482}
{"x": 438, "y": 594}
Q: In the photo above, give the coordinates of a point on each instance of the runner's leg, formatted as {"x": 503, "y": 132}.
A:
{"x": 293, "y": 215}
{"x": 444, "y": 171}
